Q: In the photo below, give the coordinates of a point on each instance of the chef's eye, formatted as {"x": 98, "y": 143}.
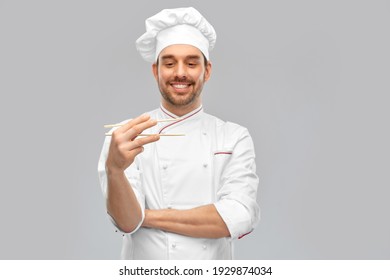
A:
{"x": 169, "y": 64}
{"x": 192, "y": 64}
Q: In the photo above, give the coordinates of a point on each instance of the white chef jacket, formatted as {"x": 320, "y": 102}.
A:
{"x": 214, "y": 163}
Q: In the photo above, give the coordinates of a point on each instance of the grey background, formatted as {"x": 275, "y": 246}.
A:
{"x": 310, "y": 80}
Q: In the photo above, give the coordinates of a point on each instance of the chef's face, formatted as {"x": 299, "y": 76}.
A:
{"x": 181, "y": 71}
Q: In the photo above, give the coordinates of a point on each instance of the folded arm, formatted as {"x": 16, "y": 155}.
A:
{"x": 202, "y": 222}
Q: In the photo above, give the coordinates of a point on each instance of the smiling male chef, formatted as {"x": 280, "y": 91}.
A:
{"x": 184, "y": 197}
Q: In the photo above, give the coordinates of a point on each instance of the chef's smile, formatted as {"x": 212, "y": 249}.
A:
{"x": 181, "y": 87}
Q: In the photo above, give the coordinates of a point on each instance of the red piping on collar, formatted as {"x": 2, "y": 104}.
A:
{"x": 162, "y": 109}
{"x": 179, "y": 119}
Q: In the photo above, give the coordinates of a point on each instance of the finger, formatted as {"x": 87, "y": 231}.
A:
{"x": 133, "y": 132}
{"x": 139, "y": 142}
{"x": 133, "y": 122}
{"x": 133, "y": 153}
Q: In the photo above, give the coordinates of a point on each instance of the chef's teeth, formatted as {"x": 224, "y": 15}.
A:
{"x": 180, "y": 86}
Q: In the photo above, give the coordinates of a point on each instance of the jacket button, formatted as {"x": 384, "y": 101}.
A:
{"x": 205, "y": 165}
{"x": 165, "y": 166}
{"x": 204, "y": 247}
{"x": 173, "y": 245}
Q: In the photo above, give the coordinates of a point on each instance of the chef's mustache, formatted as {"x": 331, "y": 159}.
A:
{"x": 182, "y": 80}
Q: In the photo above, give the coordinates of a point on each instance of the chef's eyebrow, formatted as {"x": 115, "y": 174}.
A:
{"x": 167, "y": 56}
{"x": 193, "y": 57}
{"x": 170, "y": 56}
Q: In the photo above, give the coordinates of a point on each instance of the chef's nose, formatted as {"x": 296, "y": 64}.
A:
{"x": 181, "y": 70}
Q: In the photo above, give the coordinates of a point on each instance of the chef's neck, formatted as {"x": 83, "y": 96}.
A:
{"x": 181, "y": 110}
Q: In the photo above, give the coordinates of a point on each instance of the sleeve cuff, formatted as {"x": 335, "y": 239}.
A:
{"x": 142, "y": 206}
{"x": 235, "y": 216}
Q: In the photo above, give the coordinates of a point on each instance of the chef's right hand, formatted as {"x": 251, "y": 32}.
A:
{"x": 125, "y": 145}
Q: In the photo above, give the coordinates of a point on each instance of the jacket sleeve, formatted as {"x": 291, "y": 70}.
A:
{"x": 133, "y": 175}
{"x": 237, "y": 191}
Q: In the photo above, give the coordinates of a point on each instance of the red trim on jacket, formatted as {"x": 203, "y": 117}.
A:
{"x": 241, "y": 236}
{"x": 223, "y": 153}
{"x": 181, "y": 119}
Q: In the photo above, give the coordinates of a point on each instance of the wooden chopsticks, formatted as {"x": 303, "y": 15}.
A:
{"x": 120, "y": 124}
{"x": 147, "y": 134}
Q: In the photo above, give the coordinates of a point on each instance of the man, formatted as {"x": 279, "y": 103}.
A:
{"x": 184, "y": 197}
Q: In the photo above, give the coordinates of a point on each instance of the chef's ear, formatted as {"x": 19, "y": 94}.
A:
{"x": 155, "y": 70}
{"x": 207, "y": 73}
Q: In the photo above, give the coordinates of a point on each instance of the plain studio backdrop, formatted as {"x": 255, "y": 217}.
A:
{"x": 309, "y": 79}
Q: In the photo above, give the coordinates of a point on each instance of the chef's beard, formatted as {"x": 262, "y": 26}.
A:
{"x": 177, "y": 99}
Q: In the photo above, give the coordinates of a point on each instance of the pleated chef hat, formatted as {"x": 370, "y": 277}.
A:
{"x": 176, "y": 26}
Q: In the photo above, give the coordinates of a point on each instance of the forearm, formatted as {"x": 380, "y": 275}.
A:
{"x": 202, "y": 222}
{"x": 122, "y": 204}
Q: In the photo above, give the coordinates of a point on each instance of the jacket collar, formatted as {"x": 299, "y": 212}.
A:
{"x": 191, "y": 115}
